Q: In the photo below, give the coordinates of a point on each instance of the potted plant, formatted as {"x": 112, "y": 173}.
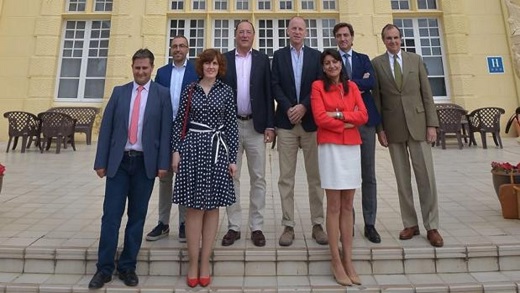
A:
{"x": 502, "y": 173}
{"x": 2, "y": 171}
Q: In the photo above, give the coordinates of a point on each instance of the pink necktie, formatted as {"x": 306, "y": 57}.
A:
{"x": 134, "y": 120}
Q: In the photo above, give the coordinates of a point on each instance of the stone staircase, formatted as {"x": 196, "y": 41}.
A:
{"x": 382, "y": 269}
{"x": 50, "y": 210}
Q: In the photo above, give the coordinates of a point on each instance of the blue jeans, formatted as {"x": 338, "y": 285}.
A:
{"x": 130, "y": 181}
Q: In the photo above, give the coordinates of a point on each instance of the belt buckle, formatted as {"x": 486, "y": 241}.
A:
{"x": 132, "y": 153}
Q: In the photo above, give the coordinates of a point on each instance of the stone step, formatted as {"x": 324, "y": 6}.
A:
{"x": 312, "y": 261}
{"x": 483, "y": 282}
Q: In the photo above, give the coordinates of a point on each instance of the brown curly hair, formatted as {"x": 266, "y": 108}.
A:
{"x": 207, "y": 56}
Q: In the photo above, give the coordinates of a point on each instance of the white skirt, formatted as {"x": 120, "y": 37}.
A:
{"x": 340, "y": 166}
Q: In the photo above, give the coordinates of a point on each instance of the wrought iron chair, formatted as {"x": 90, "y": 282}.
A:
{"x": 56, "y": 125}
{"x": 484, "y": 120}
{"x": 464, "y": 120}
{"x": 85, "y": 117}
{"x": 25, "y": 125}
{"x": 450, "y": 121}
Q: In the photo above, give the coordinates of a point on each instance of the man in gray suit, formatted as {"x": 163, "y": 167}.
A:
{"x": 409, "y": 120}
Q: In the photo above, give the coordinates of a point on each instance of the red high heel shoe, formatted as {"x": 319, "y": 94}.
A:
{"x": 204, "y": 281}
{"x": 192, "y": 282}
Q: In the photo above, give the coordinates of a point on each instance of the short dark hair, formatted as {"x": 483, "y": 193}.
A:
{"x": 143, "y": 54}
{"x": 342, "y": 25}
{"x": 343, "y": 78}
{"x": 180, "y": 37}
{"x": 388, "y": 27}
{"x": 242, "y": 21}
{"x": 207, "y": 56}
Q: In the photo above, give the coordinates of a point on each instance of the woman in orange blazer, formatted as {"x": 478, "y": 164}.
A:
{"x": 338, "y": 109}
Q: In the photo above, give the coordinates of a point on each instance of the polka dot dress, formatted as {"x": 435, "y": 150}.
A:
{"x": 203, "y": 181}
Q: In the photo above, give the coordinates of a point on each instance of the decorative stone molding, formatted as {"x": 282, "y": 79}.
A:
{"x": 513, "y": 7}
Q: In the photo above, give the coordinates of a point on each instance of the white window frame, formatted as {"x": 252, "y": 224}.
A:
{"x": 319, "y": 34}
{"x": 263, "y": 3}
{"x": 78, "y": 4}
{"x": 433, "y": 3}
{"x": 283, "y": 4}
{"x": 227, "y": 34}
{"x": 329, "y": 4}
{"x": 81, "y": 50}
{"x": 193, "y": 30}
{"x": 307, "y": 5}
{"x": 179, "y": 4}
{"x": 222, "y": 4}
{"x": 418, "y": 48}
{"x": 108, "y": 5}
{"x": 200, "y": 4}
{"x": 400, "y": 4}
{"x": 242, "y": 3}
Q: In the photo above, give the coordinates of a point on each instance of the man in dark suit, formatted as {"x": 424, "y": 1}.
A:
{"x": 359, "y": 70}
{"x": 176, "y": 76}
{"x": 249, "y": 75}
{"x": 295, "y": 67}
{"x": 133, "y": 148}
{"x": 409, "y": 121}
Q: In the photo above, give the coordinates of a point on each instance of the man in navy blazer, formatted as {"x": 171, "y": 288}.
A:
{"x": 361, "y": 72}
{"x": 133, "y": 148}
{"x": 176, "y": 76}
{"x": 295, "y": 67}
{"x": 249, "y": 75}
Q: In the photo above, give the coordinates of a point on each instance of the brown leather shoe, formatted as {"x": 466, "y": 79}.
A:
{"x": 319, "y": 235}
{"x": 258, "y": 238}
{"x": 287, "y": 237}
{"x": 435, "y": 238}
{"x": 230, "y": 237}
{"x": 409, "y": 233}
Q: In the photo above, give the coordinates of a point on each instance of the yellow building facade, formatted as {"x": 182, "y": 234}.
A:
{"x": 73, "y": 52}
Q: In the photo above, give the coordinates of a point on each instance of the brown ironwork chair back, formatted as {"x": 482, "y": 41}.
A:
{"x": 484, "y": 120}
{"x": 56, "y": 125}
{"x": 22, "y": 124}
{"x": 450, "y": 121}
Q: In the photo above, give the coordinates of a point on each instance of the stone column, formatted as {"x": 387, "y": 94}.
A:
{"x": 513, "y": 8}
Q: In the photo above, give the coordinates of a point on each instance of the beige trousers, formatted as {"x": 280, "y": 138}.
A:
{"x": 420, "y": 154}
{"x": 288, "y": 142}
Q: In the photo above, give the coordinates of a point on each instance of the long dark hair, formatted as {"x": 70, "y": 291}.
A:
{"x": 343, "y": 78}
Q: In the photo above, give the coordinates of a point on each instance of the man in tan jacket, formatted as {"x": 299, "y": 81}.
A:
{"x": 409, "y": 120}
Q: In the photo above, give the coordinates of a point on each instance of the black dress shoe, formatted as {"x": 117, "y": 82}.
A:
{"x": 129, "y": 278}
{"x": 258, "y": 238}
{"x": 99, "y": 280}
{"x": 230, "y": 237}
{"x": 371, "y": 234}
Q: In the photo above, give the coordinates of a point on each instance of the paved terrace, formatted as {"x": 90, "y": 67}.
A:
{"x": 50, "y": 210}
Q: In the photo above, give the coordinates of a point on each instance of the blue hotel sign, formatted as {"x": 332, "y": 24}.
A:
{"x": 495, "y": 64}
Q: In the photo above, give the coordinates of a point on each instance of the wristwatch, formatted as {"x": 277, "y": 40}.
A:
{"x": 338, "y": 115}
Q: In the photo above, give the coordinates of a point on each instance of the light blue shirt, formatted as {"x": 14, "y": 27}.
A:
{"x": 297, "y": 67}
{"x": 176, "y": 86}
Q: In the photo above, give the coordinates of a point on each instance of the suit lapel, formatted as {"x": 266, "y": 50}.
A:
{"x": 149, "y": 101}
{"x": 387, "y": 69}
{"x": 355, "y": 64}
{"x": 288, "y": 61}
{"x": 127, "y": 93}
{"x": 405, "y": 67}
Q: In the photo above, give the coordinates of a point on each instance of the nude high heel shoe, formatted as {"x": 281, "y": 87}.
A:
{"x": 345, "y": 281}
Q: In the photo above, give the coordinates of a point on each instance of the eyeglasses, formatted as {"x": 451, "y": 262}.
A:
{"x": 181, "y": 46}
